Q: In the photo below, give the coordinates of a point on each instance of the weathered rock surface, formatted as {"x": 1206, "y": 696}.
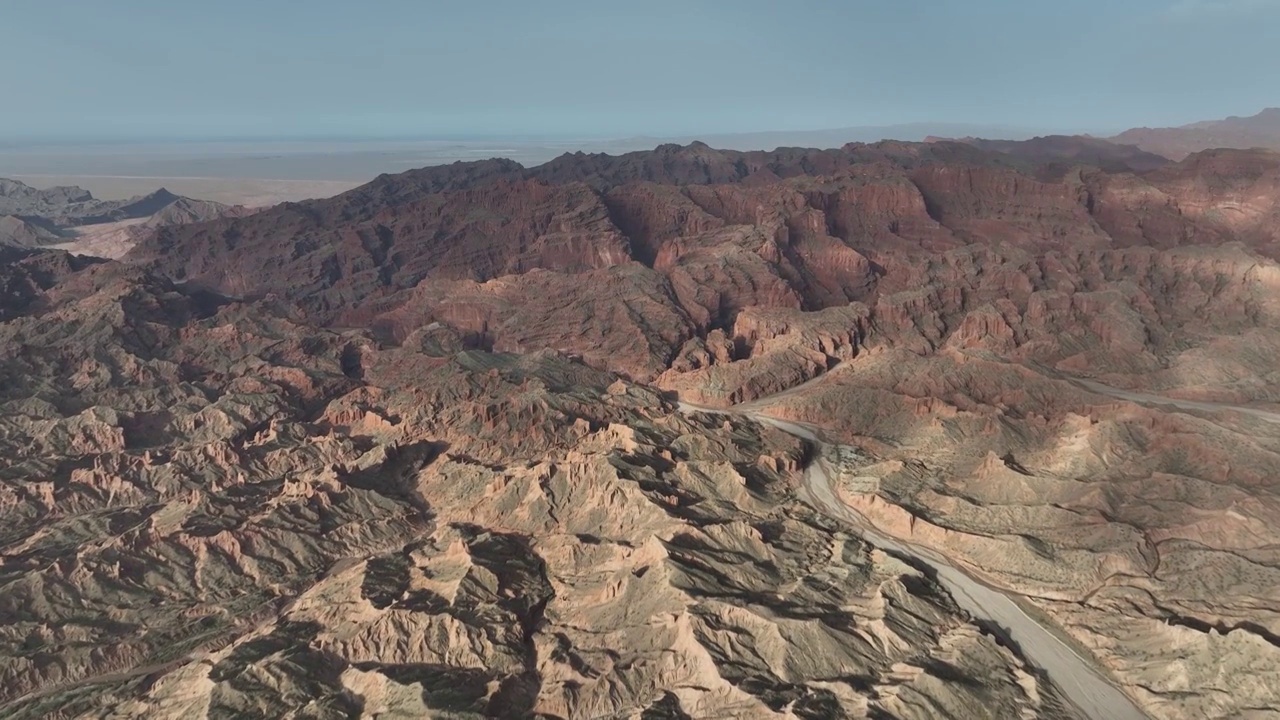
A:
{"x": 945, "y": 244}
{"x": 1145, "y": 533}
{"x": 214, "y": 511}
{"x": 413, "y": 450}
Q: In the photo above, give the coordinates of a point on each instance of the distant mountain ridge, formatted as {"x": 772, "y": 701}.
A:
{"x": 18, "y": 198}
{"x": 33, "y": 217}
{"x": 68, "y": 206}
{"x": 1176, "y": 143}
{"x": 835, "y": 137}
{"x": 1054, "y": 154}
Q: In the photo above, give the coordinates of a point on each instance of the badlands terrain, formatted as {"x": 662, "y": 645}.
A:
{"x": 899, "y": 430}
{"x": 67, "y": 217}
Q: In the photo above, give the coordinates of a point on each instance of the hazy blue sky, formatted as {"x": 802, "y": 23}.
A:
{"x": 611, "y": 68}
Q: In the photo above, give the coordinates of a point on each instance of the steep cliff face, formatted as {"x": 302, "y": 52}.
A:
{"x": 1236, "y": 192}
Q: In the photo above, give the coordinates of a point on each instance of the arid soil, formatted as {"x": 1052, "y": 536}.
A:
{"x": 417, "y": 450}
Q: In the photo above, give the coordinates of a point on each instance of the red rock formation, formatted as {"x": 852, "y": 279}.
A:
{"x": 637, "y": 254}
{"x": 384, "y": 497}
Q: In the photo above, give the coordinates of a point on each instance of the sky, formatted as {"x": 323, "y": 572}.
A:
{"x": 617, "y": 68}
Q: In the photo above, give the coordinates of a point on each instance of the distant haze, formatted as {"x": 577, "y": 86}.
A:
{"x": 363, "y": 159}
{"x": 571, "y": 69}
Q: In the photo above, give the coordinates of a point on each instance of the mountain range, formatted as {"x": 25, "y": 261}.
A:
{"x": 72, "y": 219}
{"x": 1173, "y": 143}
{"x": 902, "y": 429}
{"x": 1257, "y": 131}
{"x": 835, "y": 137}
